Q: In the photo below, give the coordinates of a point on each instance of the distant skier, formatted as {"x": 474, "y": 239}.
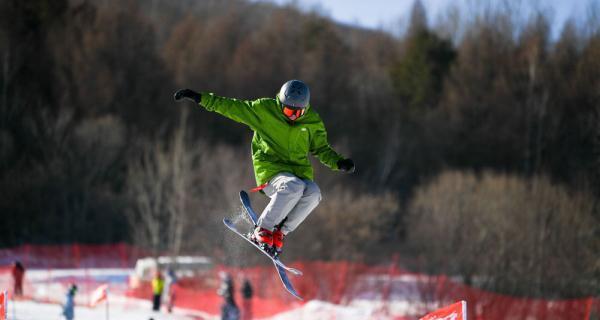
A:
{"x": 286, "y": 129}
{"x": 229, "y": 309}
{"x": 169, "y": 291}
{"x": 247, "y": 295}
{"x": 69, "y": 306}
{"x": 18, "y": 273}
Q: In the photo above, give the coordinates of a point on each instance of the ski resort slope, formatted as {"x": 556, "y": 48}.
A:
{"x": 118, "y": 310}
{"x": 127, "y": 310}
{"x": 316, "y": 309}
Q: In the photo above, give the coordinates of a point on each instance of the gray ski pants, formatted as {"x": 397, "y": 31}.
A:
{"x": 291, "y": 197}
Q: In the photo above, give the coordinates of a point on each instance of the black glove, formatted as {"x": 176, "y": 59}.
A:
{"x": 346, "y": 165}
{"x": 188, "y": 94}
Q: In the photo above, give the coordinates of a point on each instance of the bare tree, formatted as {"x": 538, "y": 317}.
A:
{"x": 159, "y": 183}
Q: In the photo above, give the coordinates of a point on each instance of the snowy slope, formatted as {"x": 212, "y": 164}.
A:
{"x": 118, "y": 310}
{"x": 50, "y": 286}
{"x": 315, "y": 309}
{"x": 128, "y": 309}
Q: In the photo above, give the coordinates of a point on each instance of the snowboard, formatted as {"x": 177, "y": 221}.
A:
{"x": 279, "y": 266}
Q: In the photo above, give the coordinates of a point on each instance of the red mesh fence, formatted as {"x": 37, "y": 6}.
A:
{"x": 73, "y": 256}
{"x": 392, "y": 292}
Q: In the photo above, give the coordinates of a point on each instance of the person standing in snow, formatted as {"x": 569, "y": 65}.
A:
{"x": 18, "y": 273}
{"x": 247, "y": 295}
{"x": 229, "y": 309}
{"x": 286, "y": 129}
{"x": 170, "y": 289}
{"x": 69, "y": 306}
{"x": 158, "y": 285}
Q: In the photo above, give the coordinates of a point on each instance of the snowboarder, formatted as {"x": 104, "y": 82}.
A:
{"x": 285, "y": 129}
{"x": 69, "y": 306}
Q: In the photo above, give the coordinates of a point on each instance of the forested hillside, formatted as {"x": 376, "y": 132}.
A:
{"x": 479, "y": 134}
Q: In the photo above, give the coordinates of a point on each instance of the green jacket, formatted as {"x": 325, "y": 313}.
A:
{"x": 278, "y": 145}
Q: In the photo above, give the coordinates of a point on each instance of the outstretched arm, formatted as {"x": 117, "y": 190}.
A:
{"x": 238, "y": 110}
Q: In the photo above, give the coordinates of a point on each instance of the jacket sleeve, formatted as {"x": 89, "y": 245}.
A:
{"x": 320, "y": 148}
{"x": 241, "y": 111}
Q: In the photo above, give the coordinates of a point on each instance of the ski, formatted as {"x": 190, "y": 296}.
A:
{"x": 245, "y": 199}
{"x": 277, "y": 262}
{"x": 286, "y": 281}
{"x": 279, "y": 266}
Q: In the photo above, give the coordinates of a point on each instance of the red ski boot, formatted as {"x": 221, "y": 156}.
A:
{"x": 263, "y": 238}
{"x": 278, "y": 241}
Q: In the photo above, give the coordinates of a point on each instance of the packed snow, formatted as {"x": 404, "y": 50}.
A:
{"x": 118, "y": 310}
{"x": 50, "y": 285}
{"x": 134, "y": 310}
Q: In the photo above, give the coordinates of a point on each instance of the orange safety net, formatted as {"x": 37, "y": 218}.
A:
{"x": 397, "y": 293}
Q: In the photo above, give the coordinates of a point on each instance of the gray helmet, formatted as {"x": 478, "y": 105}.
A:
{"x": 294, "y": 93}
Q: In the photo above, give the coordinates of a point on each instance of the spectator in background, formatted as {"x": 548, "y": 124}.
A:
{"x": 170, "y": 289}
{"x": 247, "y": 295}
{"x": 229, "y": 310}
{"x": 158, "y": 285}
{"x": 18, "y": 273}
{"x": 69, "y": 306}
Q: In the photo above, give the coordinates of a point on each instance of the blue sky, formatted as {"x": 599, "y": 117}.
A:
{"x": 387, "y": 14}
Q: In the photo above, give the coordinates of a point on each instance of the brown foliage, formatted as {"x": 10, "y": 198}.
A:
{"x": 346, "y": 226}
{"x": 517, "y": 236}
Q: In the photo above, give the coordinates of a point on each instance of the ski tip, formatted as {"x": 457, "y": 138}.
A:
{"x": 243, "y": 194}
{"x": 295, "y": 271}
{"x": 293, "y": 292}
{"x": 297, "y": 297}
